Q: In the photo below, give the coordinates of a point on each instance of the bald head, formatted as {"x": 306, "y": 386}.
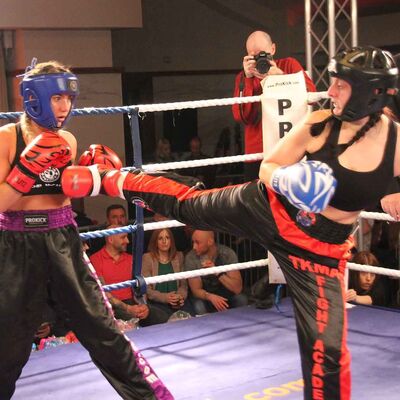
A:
{"x": 259, "y": 41}
{"x": 203, "y": 241}
{"x": 116, "y": 243}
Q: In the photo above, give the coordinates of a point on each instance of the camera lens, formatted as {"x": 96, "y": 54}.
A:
{"x": 262, "y": 63}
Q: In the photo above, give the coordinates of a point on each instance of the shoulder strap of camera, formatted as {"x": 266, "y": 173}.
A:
{"x": 257, "y": 119}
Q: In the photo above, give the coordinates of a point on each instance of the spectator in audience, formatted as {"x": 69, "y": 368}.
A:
{"x": 213, "y": 292}
{"x": 113, "y": 264}
{"x": 365, "y": 287}
{"x": 161, "y": 259}
{"x": 115, "y": 215}
{"x": 163, "y": 151}
{"x": 205, "y": 174}
{"x": 181, "y": 234}
{"x": 248, "y": 83}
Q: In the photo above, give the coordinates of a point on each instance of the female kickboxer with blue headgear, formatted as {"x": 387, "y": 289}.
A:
{"x": 40, "y": 248}
{"x": 40, "y": 90}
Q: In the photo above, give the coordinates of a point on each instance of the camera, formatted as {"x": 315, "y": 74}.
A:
{"x": 263, "y": 62}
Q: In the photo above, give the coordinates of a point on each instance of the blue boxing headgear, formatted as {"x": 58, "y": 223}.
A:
{"x": 37, "y": 90}
{"x": 371, "y": 72}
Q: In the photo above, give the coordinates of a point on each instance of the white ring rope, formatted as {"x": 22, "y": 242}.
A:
{"x": 253, "y": 264}
{"x": 356, "y": 267}
{"x": 374, "y": 270}
{"x": 199, "y": 163}
{"x": 205, "y": 271}
{"x": 312, "y": 97}
{"x": 150, "y": 226}
{"x": 152, "y": 280}
{"x": 377, "y": 216}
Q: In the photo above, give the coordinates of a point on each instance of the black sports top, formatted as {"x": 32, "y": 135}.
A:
{"x": 357, "y": 190}
{"x": 48, "y": 182}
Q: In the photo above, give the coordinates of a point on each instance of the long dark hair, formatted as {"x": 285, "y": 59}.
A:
{"x": 153, "y": 247}
{"x": 366, "y": 258}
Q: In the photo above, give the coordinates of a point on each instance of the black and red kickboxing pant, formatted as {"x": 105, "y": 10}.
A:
{"x": 41, "y": 253}
{"x": 312, "y": 258}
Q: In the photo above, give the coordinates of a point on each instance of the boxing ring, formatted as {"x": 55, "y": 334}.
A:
{"x": 242, "y": 353}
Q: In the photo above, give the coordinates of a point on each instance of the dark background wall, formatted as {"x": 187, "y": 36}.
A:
{"x": 192, "y": 49}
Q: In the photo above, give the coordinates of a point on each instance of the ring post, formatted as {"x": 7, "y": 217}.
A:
{"x": 137, "y": 162}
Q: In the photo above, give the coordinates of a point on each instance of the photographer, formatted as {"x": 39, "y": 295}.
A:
{"x": 257, "y": 64}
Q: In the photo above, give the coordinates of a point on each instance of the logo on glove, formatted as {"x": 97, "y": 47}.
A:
{"x": 50, "y": 175}
{"x": 308, "y": 185}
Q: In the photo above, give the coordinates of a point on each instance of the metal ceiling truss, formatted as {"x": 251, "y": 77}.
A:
{"x": 330, "y": 26}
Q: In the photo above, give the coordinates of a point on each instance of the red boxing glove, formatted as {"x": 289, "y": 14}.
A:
{"x": 48, "y": 149}
{"x": 100, "y": 154}
{"x": 77, "y": 181}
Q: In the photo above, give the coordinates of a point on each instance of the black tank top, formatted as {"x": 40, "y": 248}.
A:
{"x": 357, "y": 190}
{"x": 48, "y": 182}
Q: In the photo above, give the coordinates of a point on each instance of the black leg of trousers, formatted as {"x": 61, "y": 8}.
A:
{"x": 78, "y": 293}
{"x": 317, "y": 294}
{"x": 23, "y": 277}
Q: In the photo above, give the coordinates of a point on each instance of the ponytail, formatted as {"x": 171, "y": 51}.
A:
{"x": 317, "y": 128}
{"x": 374, "y": 118}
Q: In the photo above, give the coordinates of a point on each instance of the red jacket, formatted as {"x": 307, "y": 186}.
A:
{"x": 250, "y": 113}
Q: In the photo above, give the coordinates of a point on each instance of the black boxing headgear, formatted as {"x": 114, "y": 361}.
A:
{"x": 371, "y": 72}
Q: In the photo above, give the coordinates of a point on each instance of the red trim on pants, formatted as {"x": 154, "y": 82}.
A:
{"x": 345, "y": 373}
{"x": 290, "y": 232}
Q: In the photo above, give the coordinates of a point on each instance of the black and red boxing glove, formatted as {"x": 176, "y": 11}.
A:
{"x": 48, "y": 149}
{"x": 80, "y": 181}
{"x": 100, "y": 154}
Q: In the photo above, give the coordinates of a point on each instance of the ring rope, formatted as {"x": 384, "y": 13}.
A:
{"x": 198, "y": 163}
{"x": 312, "y": 97}
{"x": 174, "y": 223}
{"x": 238, "y": 266}
{"x": 377, "y": 216}
{"x": 107, "y": 232}
{"x": 394, "y": 273}
{"x": 149, "y": 226}
{"x": 151, "y": 280}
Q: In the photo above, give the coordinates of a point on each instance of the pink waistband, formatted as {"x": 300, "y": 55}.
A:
{"x": 36, "y": 220}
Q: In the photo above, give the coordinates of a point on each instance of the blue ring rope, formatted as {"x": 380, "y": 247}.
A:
{"x": 80, "y": 111}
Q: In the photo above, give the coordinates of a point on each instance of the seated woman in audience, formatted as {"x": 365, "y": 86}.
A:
{"x": 163, "y": 151}
{"x": 161, "y": 259}
{"x": 365, "y": 287}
